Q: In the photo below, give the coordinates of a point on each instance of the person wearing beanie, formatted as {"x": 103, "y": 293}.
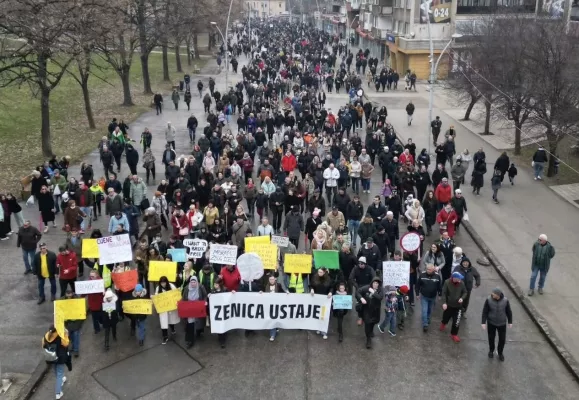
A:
{"x": 453, "y": 295}
{"x": 109, "y": 316}
{"x": 496, "y": 314}
{"x": 402, "y": 295}
{"x": 369, "y": 299}
{"x": 362, "y": 275}
{"x": 138, "y": 320}
{"x": 471, "y": 280}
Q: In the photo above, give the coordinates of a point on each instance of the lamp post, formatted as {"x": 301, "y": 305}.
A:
{"x": 226, "y": 53}
{"x": 349, "y": 31}
{"x": 433, "y": 71}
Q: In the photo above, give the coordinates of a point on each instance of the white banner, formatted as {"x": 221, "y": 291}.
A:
{"x": 88, "y": 287}
{"x": 281, "y": 241}
{"x": 222, "y": 254}
{"x": 115, "y": 249}
{"x": 396, "y": 273}
{"x": 269, "y": 310}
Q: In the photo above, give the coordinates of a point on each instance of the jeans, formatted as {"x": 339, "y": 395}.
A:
{"x": 88, "y": 212}
{"x": 28, "y": 257}
{"x": 538, "y": 167}
{"x": 19, "y": 218}
{"x": 409, "y": 119}
{"x": 427, "y": 304}
{"x": 56, "y": 202}
{"x": 355, "y": 186}
{"x": 492, "y": 330}
{"x": 75, "y": 340}
{"x": 542, "y": 277}
{"x": 141, "y": 329}
{"x": 192, "y": 134}
{"x": 353, "y": 226}
{"x": 273, "y": 332}
{"x": 59, "y": 373}
{"x": 389, "y": 318}
{"x": 365, "y": 184}
{"x": 41, "y": 282}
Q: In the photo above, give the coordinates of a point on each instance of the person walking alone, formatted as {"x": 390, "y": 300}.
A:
{"x": 496, "y": 314}
{"x": 453, "y": 295}
{"x": 410, "y": 113}
{"x": 543, "y": 252}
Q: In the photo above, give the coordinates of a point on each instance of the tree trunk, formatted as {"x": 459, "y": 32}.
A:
{"x": 188, "y": 43}
{"x": 178, "y": 57}
{"x": 518, "y": 127}
{"x": 87, "y": 105}
{"x": 209, "y": 41}
{"x": 553, "y": 144}
{"x": 45, "y": 127}
{"x": 146, "y": 77}
{"x": 196, "y": 45}
{"x": 473, "y": 101}
{"x": 165, "y": 63}
{"x": 127, "y": 99}
{"x": 487, "y": 130}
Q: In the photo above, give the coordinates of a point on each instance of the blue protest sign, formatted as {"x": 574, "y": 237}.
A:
{"x": 178, "y": 255}
{"x": 342, "y": 302}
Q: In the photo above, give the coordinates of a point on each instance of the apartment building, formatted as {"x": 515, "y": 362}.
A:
{"x": 266, "y": 8}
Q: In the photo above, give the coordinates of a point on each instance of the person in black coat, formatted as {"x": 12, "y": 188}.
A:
{"x": 370, "y": 301}
{"x": 46, "y": 207}
{"x": 132, "y": 158}
{"x": 478, "y": 172}
{"x": 502, "y": 164}
{"x": 44, "y": 267}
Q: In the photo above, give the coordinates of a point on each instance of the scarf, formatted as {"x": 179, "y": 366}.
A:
{"x": 193, "y": 295}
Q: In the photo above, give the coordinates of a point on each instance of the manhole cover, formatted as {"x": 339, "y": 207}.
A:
{"x": 147, "y": 371}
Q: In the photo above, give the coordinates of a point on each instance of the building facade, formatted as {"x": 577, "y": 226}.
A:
{"x": 266, "y": 8}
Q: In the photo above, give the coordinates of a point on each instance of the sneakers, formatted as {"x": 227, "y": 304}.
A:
{"x": 491, "y": 354}
{"x": 5, "y": 238}
{"x": 540, "y": 290}
{"x": 271, "y": 338}
{"x": 380, "y": 329}
{"x": 455, "y": 338}
{"x": 391, "y": 333}
{"x": 165, "y": 340}
{"x": 317, "y": 332}
{"x": 63, "y": 380}
{"x": 425, "y": 329}
{"x": 442, "y": 326}
{"x": 45, "y": 229}
{"x": 59, "y": 396}
{"x": 325, "y": 337}
{"x": 531, "y": 292}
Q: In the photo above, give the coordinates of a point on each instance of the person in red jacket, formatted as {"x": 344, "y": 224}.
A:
{"x": 446, "y": 219}
{"x": 288, "y": 162}
{"x": 405, "y": 157}
{"x": 180, "y": 224}
{"x": 67, "y": 264}
{"x": 95, "y": 303}
{"x": 443, "y": 193}
{"x": 231, "y": 277}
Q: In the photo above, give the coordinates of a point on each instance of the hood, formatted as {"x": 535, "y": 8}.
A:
{"x": 465, "y": 259}
{"x": 50, "y": 336}
{"x": 376, "y": 279}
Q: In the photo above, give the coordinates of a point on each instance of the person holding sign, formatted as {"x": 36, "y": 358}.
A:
{"x": 219, "y": 288}
{"x": 110, "y": 316}
{"x": 73, "y": 325}
{"x": 138, "y": 320}
{"x": 194, "y": 292}
{"x": 271, "y": 286}
{"x": 170, "y": 318}
{"x": 321, "y": 284}
{"x": 55, "y": 348}
{"x": 95, "y": 301}
{"x": 340, "y": 314}
{"x": 370, "y": 299}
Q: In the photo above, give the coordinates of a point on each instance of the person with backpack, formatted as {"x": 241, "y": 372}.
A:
{"x": 55, "y": 348}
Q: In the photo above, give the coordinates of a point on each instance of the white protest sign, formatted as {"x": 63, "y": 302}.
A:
{"x": 110, "y": 306}
{"x": 268, "y": 311}
{"x": 222, "y": 254}
{"x": 410, "y": 242}
{"x": 88, "y": 287}
{"x": 281, "y": 241}
{"x": 250, "y": 266}
{"x": 197, "y": 247}
{"x": 115, "y": 249}
{"x": 396, "y": 273}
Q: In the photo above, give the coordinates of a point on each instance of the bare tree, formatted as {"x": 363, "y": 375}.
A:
{"x": 42, "y": 54}
{"x": 145, "y": 14}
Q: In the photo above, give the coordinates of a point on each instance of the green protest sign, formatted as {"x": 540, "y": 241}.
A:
{"x": 326, "y": 258}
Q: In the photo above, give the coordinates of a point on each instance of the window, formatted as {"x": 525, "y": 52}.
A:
{"x": 492, "y": 6}
{"x": 406, "y": 28}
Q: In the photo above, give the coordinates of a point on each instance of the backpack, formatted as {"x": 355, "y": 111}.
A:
{"x": 50, "y": 352}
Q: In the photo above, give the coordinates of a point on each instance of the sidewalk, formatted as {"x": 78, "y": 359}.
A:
{"x": 509, "y": 229}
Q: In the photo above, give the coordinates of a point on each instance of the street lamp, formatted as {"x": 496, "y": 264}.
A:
{"x": 226, "y": 49}
{"x": 433, "y": 71}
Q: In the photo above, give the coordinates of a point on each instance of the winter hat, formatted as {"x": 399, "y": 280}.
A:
{"x": 139, "y": 287}
{"x": 362, "y": 259}
{"x": 109, "y": 293}
{"x": 404, "y": 289}
{"x": 457, "y": 275}
{"x": 497, "y": 291}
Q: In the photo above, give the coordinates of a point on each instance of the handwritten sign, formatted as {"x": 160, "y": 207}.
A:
{"x": 342, "y": 302}
{"x": 178, "y": 255}
{"x": 115, "y": 249}
{"x": 88, "y": 287}
{"x": 90, "y": 248}
{"x": 326, "y": 259}
{"x": 222, "y": 254}
{"x": 157, "y": 269}
{"x": 410, "y": 242}
{"x": 396, "y": 273}
{"x": 138, "y": 306}
{"x": 267, "y": 253}
{"x": 125, "y": 281}
{"x": 59, "y": 320}
{"x": 281, "y": 241}
{"x": 110, "y": 306}
{"x": 297, "y": 264}
{"x": 72, "y": 308}
{"x": 254, "y": 240}
{"x": 167, "y": 301}
{"x": 196, "y": 247}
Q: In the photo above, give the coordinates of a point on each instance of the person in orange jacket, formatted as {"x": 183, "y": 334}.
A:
{"x": 288, "y": 162}
{"x": 443, "y": 193}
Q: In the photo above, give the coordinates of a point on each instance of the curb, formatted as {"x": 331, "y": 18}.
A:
{"x": 34, "y": 382}
{"x": 556, "y": 343}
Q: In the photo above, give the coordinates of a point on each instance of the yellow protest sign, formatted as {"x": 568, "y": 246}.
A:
{"x": 267, "y": 253}
{"x": 167, "y": 301}
{"x": 297, "y": 264}
{"x": 157, "y": 269}
{"x": 58, "y": 320}
{"x": 255, "y": 240}
{"x": 138, "y": 306}
{"x": 72, "y": 308}
{"x": 90, "y": 249}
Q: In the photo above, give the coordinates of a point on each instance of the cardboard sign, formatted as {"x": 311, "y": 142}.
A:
{"x": 167, "y": 301}
{"x": 410, "y": 242}
{"x": 267, "y": 253}
{"x": 253, "y": 240}
{"x": 115, "y": 249}
{"x": 396, "y": 273}
{"x": 157, "y": 269}
{"x": 196, "y": 247}
{"x": 342, "y": 302}
{"x": 90, "y": 248}
{"x": 178, "y": 255}
{"x": 90, "y": 286}
{"x": 327, "y": 259}
{"x": 72, "y": 308}
{"x": 59, "y": 320}
{"x": 110, "y": 306}
{"x": 138, "y": 306}
{"x": 126, "y": 281}
{"x": 222, "y": 254}
{"x": 297, "y": 264}
{"x": 192, "y": 309}
{"x": 281, "y": 241}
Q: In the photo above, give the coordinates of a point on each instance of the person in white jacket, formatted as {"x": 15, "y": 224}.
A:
{"x": 209, "y": 162}
{"x": 331, "y": 176}
{"x": 415, "y": 212}
{"x": 167, "y": 319}
{"x": 298, "y": 142}
{"x": 170, "y": 135}
{"x": 268, "y": 186}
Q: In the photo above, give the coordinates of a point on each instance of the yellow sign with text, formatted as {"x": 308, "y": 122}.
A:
{"x": 59, "y": 320}
{"x": 267, "y": 253}
{"x": 167, "y": 301}
{"x": 157, "y": 269}
{"x": 252, "y": 241}
{"x": 297, "y": 264}
{"x": 138, "y": 306}
{"x": 72, "y": 308}
{"x": 90, "y": 249}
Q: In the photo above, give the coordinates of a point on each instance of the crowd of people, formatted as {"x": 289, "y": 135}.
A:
{"x": 288, "y": 166}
